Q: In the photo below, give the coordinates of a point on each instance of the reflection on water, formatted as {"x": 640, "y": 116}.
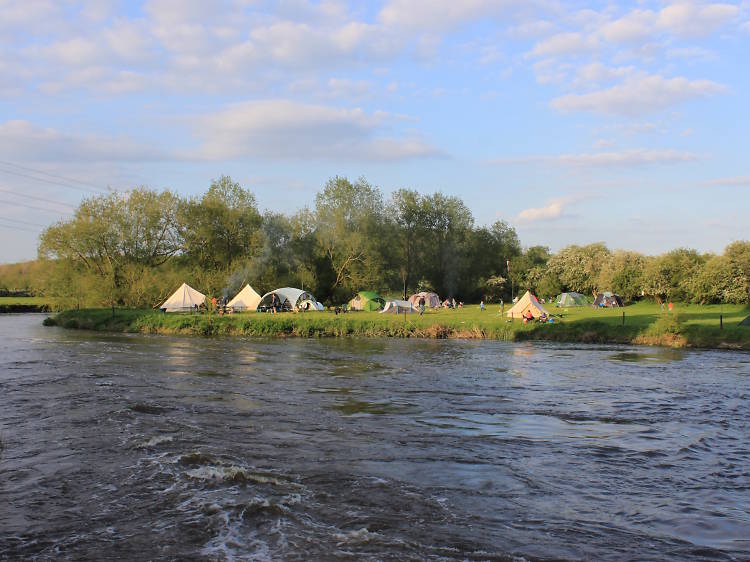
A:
{"x": 151, "y": 447}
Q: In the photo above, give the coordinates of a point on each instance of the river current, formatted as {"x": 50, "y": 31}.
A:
{"x": 156, "y": 447}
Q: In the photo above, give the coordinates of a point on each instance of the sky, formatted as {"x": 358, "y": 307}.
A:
{"x": 576, "y": 122}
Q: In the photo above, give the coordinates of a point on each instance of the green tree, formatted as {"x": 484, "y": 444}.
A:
{"x": 221, "y": 227}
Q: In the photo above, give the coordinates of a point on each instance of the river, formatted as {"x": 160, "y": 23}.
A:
{"x": 156, "y": 447}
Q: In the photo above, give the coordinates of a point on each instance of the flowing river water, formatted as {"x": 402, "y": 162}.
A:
{"x": 155, "y": 447}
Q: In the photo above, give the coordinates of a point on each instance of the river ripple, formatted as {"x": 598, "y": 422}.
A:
{"x": 152, "y": 447}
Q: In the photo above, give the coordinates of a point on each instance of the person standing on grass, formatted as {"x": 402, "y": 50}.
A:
{"x": 670, "y": 306}
{"x": 421, "y": 306}
{"x": 481, "y": 306}
{"x": 502, "y": 306}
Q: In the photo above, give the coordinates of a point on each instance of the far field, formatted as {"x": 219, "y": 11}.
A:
{"x": 644, "y": 323}
{"x": 24, "y": 304}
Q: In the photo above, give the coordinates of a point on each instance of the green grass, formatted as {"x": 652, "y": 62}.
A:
{"x": 24, "y": 304}
{"x": 645, "y": 323}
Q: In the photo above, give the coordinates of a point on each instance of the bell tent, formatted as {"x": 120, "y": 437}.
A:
{"x": 398, "y": 307}
{"x": 246, "y": 299}
{"x": 183, "y": 299}
{"x": 570, "y": 299}
{"x": 431, "y": 300}
{"x": 525, "y": 303}
{"x": 290, "y": 299}
{"x": 367, "y": 300}
{"x": 607, "y": 300}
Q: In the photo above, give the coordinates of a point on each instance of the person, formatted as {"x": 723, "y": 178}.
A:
{"x": 421, "y": 306}
{"x": 662, "y": 306}
{"x": 502, "y": 306}
{"x": 460, "y": 304}
{"x": 528, "y": 316}
{"x": 453, "y": 302}
{"x": 670, "y": 306}
{"x": 481, "y": 305}
{"x": 543, "y": 318}
{"x": 213, "y": 303}
{"x": 274, "y": 303}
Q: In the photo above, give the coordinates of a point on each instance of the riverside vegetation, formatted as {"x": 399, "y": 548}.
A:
{"x": 644, "y": 323}
{"x": 131, "y": 250}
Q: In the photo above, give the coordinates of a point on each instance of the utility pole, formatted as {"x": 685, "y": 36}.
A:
{"x": 507, "y": 263}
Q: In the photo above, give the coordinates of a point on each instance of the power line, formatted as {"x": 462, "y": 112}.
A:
{"x": 17, "y": 204}
{"x": 42, "y": 199}
{"x": 16, "y": 227}
{"x": 56, "y": 176}
{"x": 23, "y": 222}
{"x": 52, "y": 182}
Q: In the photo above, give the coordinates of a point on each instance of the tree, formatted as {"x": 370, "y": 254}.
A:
{"x": 347, "y": 219}
{"x": 578, "y": 267}
{"x": 410, "y": 221}
{"x": 221, "y": 227}
{"x": 622, "y": 273}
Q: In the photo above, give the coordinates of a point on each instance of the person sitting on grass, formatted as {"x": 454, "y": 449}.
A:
{"x": 528, "y": 316}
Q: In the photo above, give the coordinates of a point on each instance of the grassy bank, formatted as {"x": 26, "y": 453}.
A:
{"x": 644, "y": 323}
{"x": 24, "y": 304}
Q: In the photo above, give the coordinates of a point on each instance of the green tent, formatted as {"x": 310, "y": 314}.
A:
{"x": 367, "y": 300}
{"x": 570, "y": 299}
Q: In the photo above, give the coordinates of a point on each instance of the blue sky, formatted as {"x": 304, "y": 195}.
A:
{"x": 576, "y": 122}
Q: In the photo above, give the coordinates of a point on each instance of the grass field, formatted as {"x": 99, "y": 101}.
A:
{"x": 644, "y": 323}
{"x": 24, "y": 304}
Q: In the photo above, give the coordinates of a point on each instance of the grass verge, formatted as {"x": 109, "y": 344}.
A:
{"x": 643, "y": 324}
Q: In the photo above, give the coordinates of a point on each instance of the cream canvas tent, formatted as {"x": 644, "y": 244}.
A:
{"x": 527, "y": 302}
{"x": 290, "y": 299}
{"x": 246, "y": 299}
{"x": 431, "y": 300}
{"x": 183, "y": 299}
{"x": 398, "y": 307}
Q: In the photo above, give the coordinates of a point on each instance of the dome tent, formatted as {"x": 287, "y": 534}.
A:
{"x": 431, "y": 300}
{"x": 291, "y": 299}
{"x": 608, "y": 300}
{"x": 183, "y": 299}
{"x": 246, "y": 299}
{"x": 367, "y": 300}
{"x": 398, "y": 307}
{"x": 570, "y": 299}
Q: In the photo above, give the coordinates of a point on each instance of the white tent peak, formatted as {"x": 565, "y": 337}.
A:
{"x": 246, "y": 299}
{"x": 183, "y": 299}
{"x": 527, "y": 302}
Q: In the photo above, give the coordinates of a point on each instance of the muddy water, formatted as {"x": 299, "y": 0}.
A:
{"x": 142, "y": 447}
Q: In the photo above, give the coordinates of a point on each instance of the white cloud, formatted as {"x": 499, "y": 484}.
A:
{"x": 569, "y": 43}
{"x": 623, "y": 158}
{"x": 635, "y": 26}
{"x": 24, "y": 141}
{"x": 553, "y": 210}
{"x": 286, "y": 129}
{"x": 597, "y": 73}
{"x": 740, "y": 181}
{"x": 438, "y": 15}
{"x": 639, "y": 94}
{"x": 689, "y": 18}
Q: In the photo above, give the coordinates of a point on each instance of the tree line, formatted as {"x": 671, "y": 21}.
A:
{"x": 133, "y": 249}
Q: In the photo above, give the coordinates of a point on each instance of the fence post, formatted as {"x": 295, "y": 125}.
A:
{"x": 721, "y": 321}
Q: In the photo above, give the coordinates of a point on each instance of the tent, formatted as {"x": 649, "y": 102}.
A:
{"x": 183, "y": 299}
{"x": 570, "y": 299}
{"x": 527, "y": 302}
{"x": 398, "y": 307}
{"x": 367, "y": 300}
{"x": 608, "y": 300}
{"x": 745, "y": 322}
{"x": 291, "y": 299}
{"x": 431, "y": 300}
{"x": 246, "y": 299}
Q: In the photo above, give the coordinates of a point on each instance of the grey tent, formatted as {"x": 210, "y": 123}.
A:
{"x": 608, "y": 300}
{"x": 570, "y": 299}
{"x": 745, "y": 322}
{"x": 290, "y": 299}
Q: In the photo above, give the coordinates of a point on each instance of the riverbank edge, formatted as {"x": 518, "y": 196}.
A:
{"x": 23, "y": 308}
{"x": 669, "y": 333}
